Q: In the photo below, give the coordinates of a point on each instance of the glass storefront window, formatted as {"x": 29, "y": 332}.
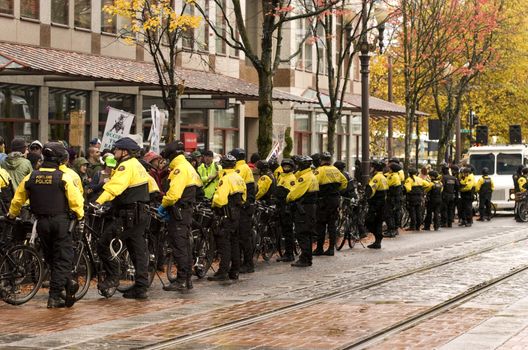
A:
{"x": 6, "y": 6}
{"x": 18, "y": 112}
{"x": 83, "y": 14}
{"x": 68, "y": 116}
{"x": 124, "y": 102}
{"x": 195, "y": 121}
{"x": 226, "y": 130}
{"x": 59, "y": 11}
{"x": 29, "y": 9}
{"x": 302, "y": 133}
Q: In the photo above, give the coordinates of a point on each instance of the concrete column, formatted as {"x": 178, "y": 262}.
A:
{"x": 178, "y": 120}
{"x": 43, "y": 109}
{"x": 241, "y": 110}
{"x": 349, "y": 144}
{"x": 210, "y": 128}
{"x": 313, "y": 134}
{"x": 139, "y": 114}
{"x": 94, "y": 114}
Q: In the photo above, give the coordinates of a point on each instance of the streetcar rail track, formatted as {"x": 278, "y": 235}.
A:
{"x": 338, "y": 292}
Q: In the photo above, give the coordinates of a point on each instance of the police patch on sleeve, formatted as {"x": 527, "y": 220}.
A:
{"x": 176, "y": 171}
{"x": 292, "y": 183}
{"x": 316, "y": 172}
{"x": 237, "y": 171}
{"x": 121, "y": 168}
{"x": 220, "y": 183}
{"x": 301, "y": 179}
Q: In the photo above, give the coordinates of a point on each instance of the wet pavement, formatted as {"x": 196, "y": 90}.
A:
{"x": 336, "y": 303}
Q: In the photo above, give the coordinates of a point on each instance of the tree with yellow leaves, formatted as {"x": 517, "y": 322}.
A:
{"x": 158, "y": 27}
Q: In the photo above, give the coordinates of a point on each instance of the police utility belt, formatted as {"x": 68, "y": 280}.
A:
{"x": 129, "y": 214}
{"x": 176, "y": 210}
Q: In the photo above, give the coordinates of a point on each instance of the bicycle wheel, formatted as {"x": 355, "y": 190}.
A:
{"x": 82, "y": 273}
{"x": 172, "y": 268}
{"x": 493, "y": 210}
{"x": 21, "y": 274}
{"x": 127, "y": 271}
{"x": 203, "y": 253}
{"x": 522, "y": 210}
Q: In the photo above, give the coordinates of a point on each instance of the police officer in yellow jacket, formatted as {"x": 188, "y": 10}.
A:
{"x": 433, "y": 189}
{"x": 303, "y": 196}
{"x": 467, "y": 186}
{"x": 394, "y": 197}
{"x": 331, "y": 182}
{"x": 52, "y": 196}
{"x": 376, "y": 192}
{"x": 266, "y": 183}
{"x": 485, "y": 187}
{"x": 414, "y": 188}
{"x": 6, "y": 191}
{"x": 285, "y": 183}
{"x": 228, "y": 198}
{"x": 246, "y": 212}
{"x": 127, "y": 189}
{"x": 178, "y": 203}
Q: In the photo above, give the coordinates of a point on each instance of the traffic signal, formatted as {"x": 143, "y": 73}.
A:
{"x": 515, "y": 134}
{"x": 482, "y": 135}
{"x": 473, "y": 119}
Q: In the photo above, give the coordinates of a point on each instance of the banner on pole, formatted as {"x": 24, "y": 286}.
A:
{"x": 118, "y": 125}
{"x": 156, "y": 128}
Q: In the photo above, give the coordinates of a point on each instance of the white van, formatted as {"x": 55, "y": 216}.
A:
{"x": 502, "y": 162}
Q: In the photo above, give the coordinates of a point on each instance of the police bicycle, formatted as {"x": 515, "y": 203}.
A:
{"x": 265, "y": 232}
{"x": 352, "y": 212}
{"x": 21, "y": 268}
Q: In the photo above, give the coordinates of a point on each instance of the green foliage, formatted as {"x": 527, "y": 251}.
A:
{"x": 289, "y": 143}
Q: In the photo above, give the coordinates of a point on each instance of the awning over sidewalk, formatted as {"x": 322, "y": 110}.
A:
{"x": 62, "y": 65}
{"x": 352, "y": 102}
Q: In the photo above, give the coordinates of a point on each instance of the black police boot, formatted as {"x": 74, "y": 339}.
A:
{"x": 318, "y": 251}
{"x": 188, "y": 283}
{"x": 218, "y": 277}
{"x": 286, "y": 258}
{"x": 233, "y": 275}
{"x": 71, "y": 288}
{"x": 300, "y": 263}
{"x": 247, "y": 269}
{"x": 109, "y": 282}
{"x": 176, "y": 286}
{"x": 375, "y": 245}
{"x": 55, "y": 302}
{"x": 136, "y": 293}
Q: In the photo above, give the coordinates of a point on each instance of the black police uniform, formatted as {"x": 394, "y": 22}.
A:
{"x": 286, "y": 181}
{"x": 450, "y": 185}
{"x": 434, "y": 204}
{"x": 53, "y": 195}
{"x": 485, "y": 191}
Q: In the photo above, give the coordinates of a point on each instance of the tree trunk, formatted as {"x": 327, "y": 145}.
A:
{"x": 265, "y": 111}
{"x": 171, "y": 104}
{"x": 331, "y": 132}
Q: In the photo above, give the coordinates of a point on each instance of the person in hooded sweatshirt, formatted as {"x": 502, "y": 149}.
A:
{"x": 16, "y": 164}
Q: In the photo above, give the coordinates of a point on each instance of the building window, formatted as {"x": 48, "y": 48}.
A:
{"x": 202, "y": 32}
{"x": 18, "y": 112}
{"x": 195, "y": 121}
{"x": 68, "y": 116}
{"x": 226, "y": 130}
{"x": 123, "y": 102}
{"x": 321, "y": 50}
{"x": 83, "y": 14}
{"x": 302, "y": 133}
{"x": 108, "y": 22}
{"x": 342, "y": 137}
{"x": 29, "y": 9}
{"x": 6, "y": 6}
{"x": 220, "y": 45}
{"x": 60, "y": 11}
{"x": 321, "y": 129}
{"x": 188, "y": 35}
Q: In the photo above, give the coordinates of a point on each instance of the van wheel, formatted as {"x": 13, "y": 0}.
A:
{"x": 523, "y": 211}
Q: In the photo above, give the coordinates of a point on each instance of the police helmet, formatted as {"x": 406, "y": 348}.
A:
{"x": 377, "y": 165}
{"x": 395, "y": 167}
{"x": 412, "y": 172}
{"x": 433, "y": 174}
{"x": 326, "y": 156}
{"x": 525, "y": 171}
{"x": 296, "y": 158}
{"x": 466, "y": 170}
{"x": 238, "y": 153}
{"x": 173, "y": 149}
{"x": 339, "y": 164}
{"x": 228, "y": 161}
{"x": 273, "y": 163}
{"x": 53, "y": 152}
{"x": 316, "y": 159}
{"x": 263, "y": 166}
{"x": 455, "y": 169}
{"x": 394, "y": 160}
{"x": 287, "y": 165}
{"x": 126, "y": 143}
{"x": 305, "y": 162}
{"x": 485, "y": 171}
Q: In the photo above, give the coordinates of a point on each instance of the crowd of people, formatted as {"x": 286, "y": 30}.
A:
{"x": 307, "y": 191}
